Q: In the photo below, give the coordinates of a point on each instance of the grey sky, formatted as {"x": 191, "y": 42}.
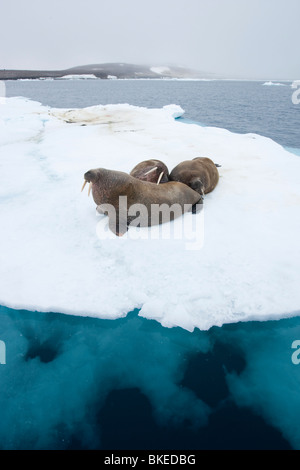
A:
{"x": 242, "y": 38}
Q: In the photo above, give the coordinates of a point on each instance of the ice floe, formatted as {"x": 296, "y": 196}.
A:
{"x": 55, "y": 255}
{"x": 273, "y": 84}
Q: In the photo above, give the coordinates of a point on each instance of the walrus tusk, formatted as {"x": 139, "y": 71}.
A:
{"x": 83, "y": 185}
{"x": 160, "y": 177}
{"x": 148, "y": 172}
{"x": 90, "y": 187}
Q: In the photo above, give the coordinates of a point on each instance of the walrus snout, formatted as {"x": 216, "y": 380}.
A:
{"x": 198, "y": 186}
{"x": 91, "y": 177}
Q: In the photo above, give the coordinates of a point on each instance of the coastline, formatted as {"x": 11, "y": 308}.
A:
{"x": 121, "y": 71}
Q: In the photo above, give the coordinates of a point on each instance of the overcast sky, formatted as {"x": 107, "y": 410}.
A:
{"x": 242, "y": 38}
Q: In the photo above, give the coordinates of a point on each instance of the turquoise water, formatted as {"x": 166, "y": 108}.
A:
{"x": 80, "y": 383}
{"x": 293, "y": 150}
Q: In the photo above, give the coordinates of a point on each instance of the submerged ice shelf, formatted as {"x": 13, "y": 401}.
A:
{"x": 84, "y": 383}
{"x": 53, "y": 257}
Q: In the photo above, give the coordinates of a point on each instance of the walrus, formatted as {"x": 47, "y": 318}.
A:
{"x": 201, "y": 174}
{"x": 121, "y": 197}
{"x": 153, "y": 171}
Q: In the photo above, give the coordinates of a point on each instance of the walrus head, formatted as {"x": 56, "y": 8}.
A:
{"x": 91, "y": 176}
{"x": 197, "y": 185}
{"x": 104, "y": 184}
{"x": 153, "y": 171}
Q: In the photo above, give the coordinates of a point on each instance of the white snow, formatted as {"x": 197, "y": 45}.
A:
{"x": 54, "y": 254}
{"x": 87, "y": 76}
{"x": 160, "y": 70}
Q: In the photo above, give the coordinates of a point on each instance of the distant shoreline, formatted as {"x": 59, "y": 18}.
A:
{"x": 120, "y": 71}
{"x": 79, "y": 78}
{"x": 14, "y": 75}
{"x": 106, "y": 71}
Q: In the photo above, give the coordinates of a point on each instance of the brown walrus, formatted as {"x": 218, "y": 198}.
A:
{"x": 153, "y": 171}
{"x": 121, "y": 197}
{"x": 200, "y": 174}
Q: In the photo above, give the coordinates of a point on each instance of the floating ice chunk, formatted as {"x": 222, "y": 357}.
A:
{"x": 53, "y": 257}
{"x": 87, "y": 76}
{"x": 174, "y": 110}
{"x": 273, "y": 84}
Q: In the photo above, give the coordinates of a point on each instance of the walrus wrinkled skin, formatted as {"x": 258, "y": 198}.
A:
{"x": 153, "y": 171}
{"x": 200, "y": 174}
{"x": 121, "y": 197}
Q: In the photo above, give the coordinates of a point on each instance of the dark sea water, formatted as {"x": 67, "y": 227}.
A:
{"x": 237, "y": 106}
{"x": 70, "y": 382}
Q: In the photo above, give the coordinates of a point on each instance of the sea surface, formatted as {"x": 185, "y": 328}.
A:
{"x": 238, "y": 106}
{"x": 71, "y": 382}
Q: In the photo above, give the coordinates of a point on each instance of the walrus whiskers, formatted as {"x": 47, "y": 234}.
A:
{"x": 150, "y": 171}
{"x": 160, "y": 177}
{"x": 85, "y": 182}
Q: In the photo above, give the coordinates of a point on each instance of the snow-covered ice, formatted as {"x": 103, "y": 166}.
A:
{"x": 53, "y": 257}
